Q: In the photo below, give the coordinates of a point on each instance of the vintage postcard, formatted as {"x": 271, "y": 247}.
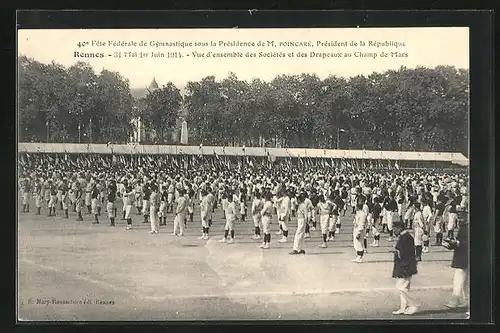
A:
{"x": 243, "y": 174}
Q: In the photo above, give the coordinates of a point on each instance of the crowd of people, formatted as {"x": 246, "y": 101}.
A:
{"x": 429, "y": 203}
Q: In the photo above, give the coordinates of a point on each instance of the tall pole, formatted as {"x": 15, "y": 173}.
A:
{"x": 47, "y": 126}
{"x": 90, "y": 130}
{"x": 79, "y": 132}
{"x": 338, "y": 138}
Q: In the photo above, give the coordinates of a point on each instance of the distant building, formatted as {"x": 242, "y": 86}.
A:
{"x": 140, "y": 132}
{"x": 148, "y": 135}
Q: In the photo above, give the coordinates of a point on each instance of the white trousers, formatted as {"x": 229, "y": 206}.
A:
{"x": 459, "y": 283}
{"x": 358, "y": 243}
{"x": 153, "y": 218}
{"x": 128, "y": 210}
{"x": 283, "y": 220}
{"x": 229, "y": 222}
{"x": 257, "y": 220}
{"x": 332, "y": 222}
{"x": 452, "y": 221}
{"x": 65, "y": 202}
{"x": 298, "y": 241}
{"x": 53, "y": 201}
{"x": 389, "y": 217}
{"x": 78, "y": 205}
{"x": 179, "y": 223}
{"x": 110, "y": 208}
{"x": 418, "y": 238}
{"x": 26, "y": 197}
{"x": 145, "y": 207}
{"x": 93, "y": 205}
{"x": 266, "y": 224}
{"x": 38, "y": 200}
{"x": 163, "y": 209}
{"x": 204, "y": 219}
{"x": 403, "y": 285}
{"x": 323, "y": 221}
{"x": 88, "y": 199}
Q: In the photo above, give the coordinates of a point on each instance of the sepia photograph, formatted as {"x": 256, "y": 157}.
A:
{"x": 242, "y": 174}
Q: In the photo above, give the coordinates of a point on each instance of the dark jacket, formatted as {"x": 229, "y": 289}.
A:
{"x": 405, "y": 262}
{"x": 460, "y": 255}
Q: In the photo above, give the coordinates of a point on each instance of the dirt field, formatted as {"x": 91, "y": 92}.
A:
{"x": 71, "y": 270}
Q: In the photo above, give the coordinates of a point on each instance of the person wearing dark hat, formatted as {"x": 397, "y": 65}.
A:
{"x": 405, "y": 266}
{"x": 460, "y": 261}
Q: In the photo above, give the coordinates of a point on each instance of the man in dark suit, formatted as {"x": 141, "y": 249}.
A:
{"x": 460, "y": 261}
{"x": 405, "y": 266}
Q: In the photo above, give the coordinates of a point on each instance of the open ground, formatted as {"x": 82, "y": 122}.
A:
{"x": 80, "y": 271}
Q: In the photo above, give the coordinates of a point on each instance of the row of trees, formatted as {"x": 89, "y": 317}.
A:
{"x": 58, "y": 104}
{"x": 408, "y": 109}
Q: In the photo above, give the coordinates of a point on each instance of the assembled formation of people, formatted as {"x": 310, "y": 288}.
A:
{"x": 426, "y": 202}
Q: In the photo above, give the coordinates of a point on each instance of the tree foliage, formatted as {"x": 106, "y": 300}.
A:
{"x": 422, "y": 109}
{"x": 58, "y": 104}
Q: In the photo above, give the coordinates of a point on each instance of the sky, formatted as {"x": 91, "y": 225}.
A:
{"x": 324, "y": 52}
